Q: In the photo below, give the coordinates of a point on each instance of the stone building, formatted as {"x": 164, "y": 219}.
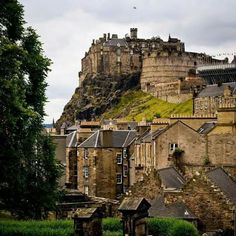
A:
{"x": 189, "y": 148}
{"x": 209, "y": 99}
{"x": 104, "y": 163}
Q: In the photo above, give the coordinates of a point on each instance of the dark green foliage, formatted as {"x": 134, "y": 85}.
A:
{"x": 171, "y": 227}
{"x": 28, "y": 171}
{"x": 36, "y": 228}
{"x": 159, "y": 227}
{"x": 183, "y": 228}
{"x": 111, "y": 224}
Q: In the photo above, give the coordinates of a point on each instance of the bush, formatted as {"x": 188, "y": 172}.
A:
{"x": 112, "y": 224}
{"x": 183, "y": 228}
{"x": 171, "y": 227}
{"x": 159, "y": 227}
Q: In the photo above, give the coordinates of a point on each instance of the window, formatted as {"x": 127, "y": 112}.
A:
{"x": 119, "y": 158}
{"x": 119, "y": 179}
{"x": 173, "y": 146}
{"x": 85, "y": 153}
{"x": 86, "y": 190}
{"x": 125, "y": 173}
{"x": 86, "y": 171}
{"x": 124, "y": 152}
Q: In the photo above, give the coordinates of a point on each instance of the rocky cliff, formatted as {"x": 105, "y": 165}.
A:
{"x": 97, "y": 95}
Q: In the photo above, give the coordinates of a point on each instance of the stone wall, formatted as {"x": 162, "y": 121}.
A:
{"x": 206, "y": 202}
{"x": 222, "y": 149}
{"x": 164, "y": 71}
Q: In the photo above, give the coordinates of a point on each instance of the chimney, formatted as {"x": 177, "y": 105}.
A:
{"x": 108, "y": 36}
{"x": 114, "y": 36}
{"x": 133, "y": 33}
{"x": 106, "y": 138}
{"x": 105, "y": 36}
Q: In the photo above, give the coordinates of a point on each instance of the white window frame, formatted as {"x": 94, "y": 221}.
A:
{"x": 86, "y": 153}
{"x": 86, "y": 171}
{"x": 124, "y": 153}
{"x": 172, "y": 147}
{"x": 86, "y": 189}
{"x": 119, "y": 158}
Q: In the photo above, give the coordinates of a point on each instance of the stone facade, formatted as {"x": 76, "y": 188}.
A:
{"x": 210, "y": 99}
{"x": 100, "y": 172}
{"x": 212, "y": 143}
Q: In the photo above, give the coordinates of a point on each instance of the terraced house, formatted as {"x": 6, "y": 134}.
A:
{"x": 104, "y": 163}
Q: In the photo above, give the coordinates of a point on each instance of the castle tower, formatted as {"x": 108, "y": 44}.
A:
{"x": 133, "y": 33}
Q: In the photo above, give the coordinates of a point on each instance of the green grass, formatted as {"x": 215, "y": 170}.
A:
{"x": 136, "y": 105}
{"x": 36, "y": 228}
{"x": 111, "y": 227}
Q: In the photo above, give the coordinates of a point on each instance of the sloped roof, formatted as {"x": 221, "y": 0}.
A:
{"x": 174, "y": 210}
{"x": 72, "y": 128}
{"x": 85, "y": 213}
{"x": 227, "y": 185}
{"x": 206, "y": 127}
{"x": 114, "y": 138}
{"x": 115, "y": 42}
{"x": 151, "y": 135}
{"x": 171, "y": 178}
{"x": 132, "y": 203}
{"x": 215, "y": 90}
{"x": 71, "y": 139}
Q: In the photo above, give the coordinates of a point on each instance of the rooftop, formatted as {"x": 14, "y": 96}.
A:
{"x": 109, "y": 138}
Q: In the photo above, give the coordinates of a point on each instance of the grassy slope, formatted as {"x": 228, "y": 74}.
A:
{"x": 136, "y": 105}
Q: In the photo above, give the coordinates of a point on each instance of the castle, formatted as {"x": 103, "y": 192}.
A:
{"x": 167, "y": 70}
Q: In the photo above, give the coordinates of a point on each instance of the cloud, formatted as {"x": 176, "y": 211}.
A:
{"x": 67, "y": 28}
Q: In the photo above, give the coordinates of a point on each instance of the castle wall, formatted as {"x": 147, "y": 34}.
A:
{"x": 163, "y": 74}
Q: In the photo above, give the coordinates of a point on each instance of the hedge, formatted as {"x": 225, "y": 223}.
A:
{"x": 171, "y": 227}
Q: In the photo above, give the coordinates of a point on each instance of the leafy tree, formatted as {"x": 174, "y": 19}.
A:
{"x": 28, "y": 170}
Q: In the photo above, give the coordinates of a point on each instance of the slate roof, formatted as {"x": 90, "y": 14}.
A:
{"x": 132, "y": 203}
{"x": 215, "y": 90}
{"x": 221, "y": 179}
{"x": 171, "y": 178}
{"x": 175, "y": 210}
{"x": 151, "y": 135}
{"x": 71, "y": 139}
{"x": 114, "y": 41}
{"x": 206, "y": 127}
{"x": 117, "y": 139}
{"x": 72, "y": 128}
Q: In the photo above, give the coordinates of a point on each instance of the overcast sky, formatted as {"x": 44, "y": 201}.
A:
{"x": 67, "y": 28}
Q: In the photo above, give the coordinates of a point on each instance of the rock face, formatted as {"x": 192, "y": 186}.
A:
{"x": 96, "y": 95}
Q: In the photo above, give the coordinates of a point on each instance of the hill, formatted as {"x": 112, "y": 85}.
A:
{"x": 136, "y": 105}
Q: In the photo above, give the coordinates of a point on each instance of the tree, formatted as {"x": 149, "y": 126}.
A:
{"x": 29, "y": 172}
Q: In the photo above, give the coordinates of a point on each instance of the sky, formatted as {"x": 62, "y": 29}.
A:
{"x": 67, "y": 28}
